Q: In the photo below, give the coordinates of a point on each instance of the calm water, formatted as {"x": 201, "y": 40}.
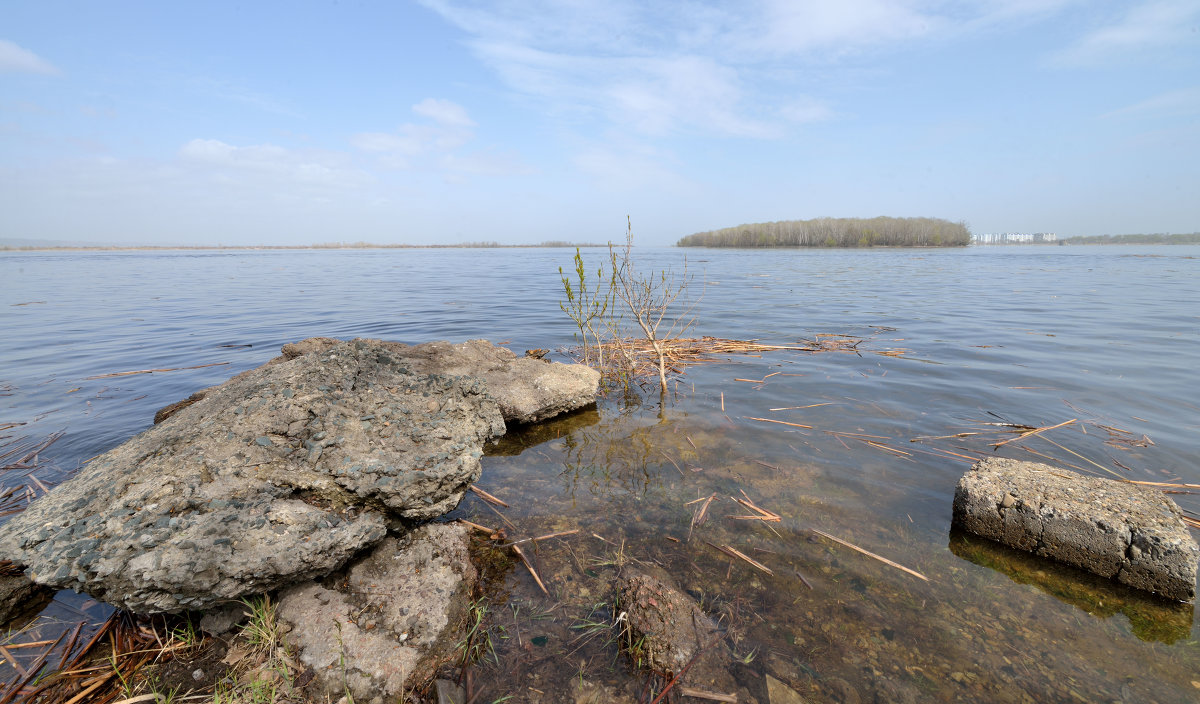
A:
{"x": 1035, "y": 336}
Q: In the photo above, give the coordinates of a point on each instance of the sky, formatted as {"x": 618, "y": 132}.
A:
{"x": 448, "y": 121}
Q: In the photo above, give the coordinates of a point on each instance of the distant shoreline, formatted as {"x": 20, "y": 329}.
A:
{"x": 156, "y": 248}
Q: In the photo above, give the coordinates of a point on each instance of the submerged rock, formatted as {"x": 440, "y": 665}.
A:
{"x": 671, "y": 632}
{"x": 390, "y": 621}
{"x": 1133, "y": 534}
{"x": 279, "y": 475}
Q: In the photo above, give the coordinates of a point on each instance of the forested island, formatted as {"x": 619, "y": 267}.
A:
{"x": 837, "y": 232}
{"x": 1156, "y": 238}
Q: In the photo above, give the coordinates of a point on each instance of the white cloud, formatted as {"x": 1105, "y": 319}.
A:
{"x": 15, "y": 59}
{"x": 793, "y": 26}
{"x": 443, "y": 112}
{"x": 1150, "y": 26}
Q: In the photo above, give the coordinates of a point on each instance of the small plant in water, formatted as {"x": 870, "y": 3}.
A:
{"x": 478, "y": 641}
{"x": 656, "y": 304}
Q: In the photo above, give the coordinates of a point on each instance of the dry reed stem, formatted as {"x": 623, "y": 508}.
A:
{"x": 798, "y": 408}
{"x": 881, "y": 446}
{"x": 487, "y": 497}
{"x": 152, "y": 371}
{"x": 1035, "y": 431}
{"x": 705, "y": 694}
{"x": 559, "y": 534}
{"x": 868, "y": 553}
{"x": 529, "y": 567}
{"x": 733, "y": 552}
{"x": 780, "y": 422}
{"x": 476, "y": 527}
{"x": 673, "y": 462}
{"x": 1172, "y": 485}
{"x": 751, "y": 505}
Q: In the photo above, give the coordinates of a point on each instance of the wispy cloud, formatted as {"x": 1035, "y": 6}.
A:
{"x": 270, "y": 162}
{"x": 437, "y": 144}
{"x": 700, "y": 67}
{"x": 1144, "y": 28}
{"x": 15, "y": 59}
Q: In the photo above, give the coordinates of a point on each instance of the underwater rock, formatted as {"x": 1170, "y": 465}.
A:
{"x": 1130, "y": 533}
{"x": 674, "y": 633}
{"x": 387, "y": 624}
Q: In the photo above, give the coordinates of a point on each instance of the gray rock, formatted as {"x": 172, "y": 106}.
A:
{"x": 1130, "y": 533}
{"x": 394, "y": 617}
{"x": 528, "y": 389}
{"x": 198, "y": 509}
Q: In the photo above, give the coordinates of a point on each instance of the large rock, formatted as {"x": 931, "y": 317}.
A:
{"x": 1130, "y": 533}
{"x": 279, "y": 475}
{"x": 389, "y": 622}
{"x": 527, "y": 389}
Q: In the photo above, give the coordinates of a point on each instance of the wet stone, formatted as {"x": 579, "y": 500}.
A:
{"x": 1133, "y": 534}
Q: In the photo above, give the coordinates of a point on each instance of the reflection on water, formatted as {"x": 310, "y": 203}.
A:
{"x": 1150, "y": 618}
{"x": 1034, "y": 336}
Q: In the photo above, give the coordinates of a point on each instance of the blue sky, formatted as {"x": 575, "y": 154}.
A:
{"x": 442, "y": 121}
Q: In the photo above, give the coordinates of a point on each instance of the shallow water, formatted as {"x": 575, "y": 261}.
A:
{"x": 1028, "y": 335}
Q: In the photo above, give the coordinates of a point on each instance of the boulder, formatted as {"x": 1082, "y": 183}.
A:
{"x": 390, "y": 620}
{"x": 280, "y": 475}
{"x": 1130, "y": 533}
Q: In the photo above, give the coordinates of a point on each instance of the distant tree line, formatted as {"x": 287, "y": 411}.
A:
{"x": 837, "y": 232}
{"x": 1156, "y": 238}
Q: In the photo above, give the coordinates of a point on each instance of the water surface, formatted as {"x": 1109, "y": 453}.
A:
{"x": 1026, "y": 335}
